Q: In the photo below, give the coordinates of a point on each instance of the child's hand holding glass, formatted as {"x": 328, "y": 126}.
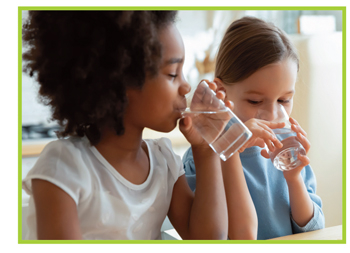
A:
{"x": 262, "y": 134}
{"x": 304, "y": 160}
{"x": 186, "y": 123}
{"x": 284, "y": 158}
{"x": 214, "y": 121}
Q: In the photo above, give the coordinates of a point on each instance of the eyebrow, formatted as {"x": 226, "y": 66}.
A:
{"x": 259, "y": 93}
{"x": 174, "y": 61}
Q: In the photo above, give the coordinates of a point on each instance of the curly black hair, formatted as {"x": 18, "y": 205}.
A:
{"x": 85, "y": 60}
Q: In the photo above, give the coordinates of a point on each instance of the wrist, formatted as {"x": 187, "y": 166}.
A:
{"x": 232, "y": 165}
{"x": 292, "y": 181}
{"x": 202, "y": 148}
{"x": 233, "y": 158}
{"x": 203, "y": 151}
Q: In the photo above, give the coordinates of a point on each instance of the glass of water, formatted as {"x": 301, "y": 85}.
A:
{"x": 216, "y": 123}
{"x": 285, "y": 158}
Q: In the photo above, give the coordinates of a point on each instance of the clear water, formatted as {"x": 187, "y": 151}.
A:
{"x": 283, "y": 133}
{"x": 221, "y": 129}
{"x": 286, "y": 158}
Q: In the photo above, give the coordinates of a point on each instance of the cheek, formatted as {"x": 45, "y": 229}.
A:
{"x": 289, "y": 108}
{"x": 238, "y": 108}
{"x": 243, "y": 112}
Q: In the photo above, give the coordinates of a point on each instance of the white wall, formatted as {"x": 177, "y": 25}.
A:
{"x": 318, "y": 109}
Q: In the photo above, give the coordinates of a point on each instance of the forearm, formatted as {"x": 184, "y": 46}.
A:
{"x": 300, "y": 202}
{"x": 208, "y": 217}
{"x": 243, "y": 221}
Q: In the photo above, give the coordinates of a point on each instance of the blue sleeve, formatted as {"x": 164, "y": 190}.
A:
{"x": 190, "y": 169}
{"x": 317, "y": 221}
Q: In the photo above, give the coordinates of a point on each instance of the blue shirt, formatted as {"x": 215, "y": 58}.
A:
{"x": 269, "y": 192}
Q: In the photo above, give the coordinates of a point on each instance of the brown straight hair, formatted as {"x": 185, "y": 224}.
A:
{"x": 248, "y": 45}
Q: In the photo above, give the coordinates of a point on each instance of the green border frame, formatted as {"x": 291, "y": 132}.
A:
{"x": 20, "y": 241}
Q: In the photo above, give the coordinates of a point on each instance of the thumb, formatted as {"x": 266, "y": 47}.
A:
{"x": 274, "y": 125}
{"x": 259, "y": 142}
{"x": 185, "y": 125}
{"x": 265, "y": 154}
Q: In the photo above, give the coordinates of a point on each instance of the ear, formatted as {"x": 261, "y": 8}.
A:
{"x": 219, "y": 84}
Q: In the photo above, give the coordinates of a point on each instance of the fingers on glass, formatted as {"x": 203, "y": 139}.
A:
{"x": 211, "y": 85}
{"x": 273, "y": 137}
{"x": 301, "y": 130}
{"x": 229, "y": 104}
{"x": 304, "y": 159}
{"x": 304, "y": 141}
{"x": 265, "y": 154}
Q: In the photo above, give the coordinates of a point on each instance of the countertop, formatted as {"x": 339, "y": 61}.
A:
{"x": 34, "y": 147}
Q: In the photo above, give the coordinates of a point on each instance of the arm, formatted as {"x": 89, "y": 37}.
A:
{"x": 56, "y": 212}
{"x": 243, "y": 221}
{"x": 317, "y": 220}
{"x": 203, "y": 216}
{"x": 300, "y": 201}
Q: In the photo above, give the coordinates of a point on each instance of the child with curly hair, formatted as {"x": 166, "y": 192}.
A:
{"x": 257, "y": 67}
{"x": 106, "y": 76}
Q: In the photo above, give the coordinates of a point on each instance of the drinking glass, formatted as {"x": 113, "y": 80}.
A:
{"x": 285, "y": 158}
{"x": 216, "y": 123}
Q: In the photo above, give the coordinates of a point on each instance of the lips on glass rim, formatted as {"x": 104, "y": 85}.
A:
{"x": 181, "y": 109}
{"x": 182, "y": 105}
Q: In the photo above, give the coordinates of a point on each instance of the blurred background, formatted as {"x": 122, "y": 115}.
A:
{"x": 317, "y": 35}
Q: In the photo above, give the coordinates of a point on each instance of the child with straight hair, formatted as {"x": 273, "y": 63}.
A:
{"x": 257, "y": 68}
{"x": 107, "y": 75}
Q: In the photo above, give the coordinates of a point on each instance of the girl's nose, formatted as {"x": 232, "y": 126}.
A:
{"x": 184, "y": 88}
{"x": 268, "y": 113}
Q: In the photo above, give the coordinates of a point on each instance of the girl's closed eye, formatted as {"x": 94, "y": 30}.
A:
{"x": 173, "y": 76}
{"x": 254, "y": 102}
{"x": 283, "y": 101}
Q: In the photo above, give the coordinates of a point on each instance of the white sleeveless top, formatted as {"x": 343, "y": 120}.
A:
{"x": 109, "y": 206}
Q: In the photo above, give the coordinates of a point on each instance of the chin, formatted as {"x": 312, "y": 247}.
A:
{"x": 170, "y": 128}
{"x": 166, "y": 128}
{"x": 167, "y": 125}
